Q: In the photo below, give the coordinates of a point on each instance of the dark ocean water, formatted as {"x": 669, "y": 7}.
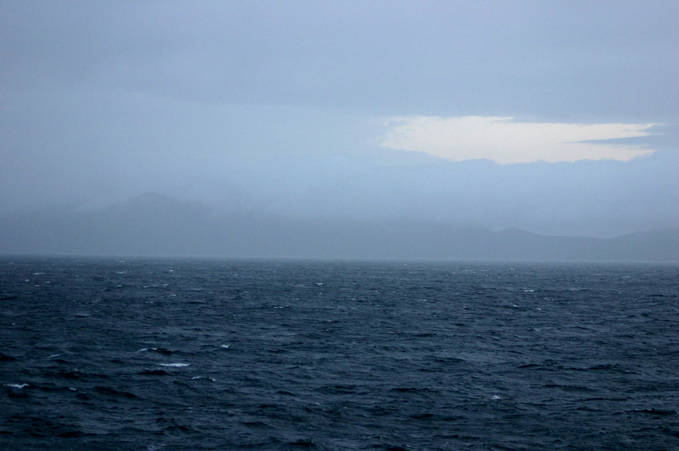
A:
{"x": 180, "y": 354}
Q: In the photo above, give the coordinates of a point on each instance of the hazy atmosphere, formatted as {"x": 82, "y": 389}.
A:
{"x": 555, "y": 118}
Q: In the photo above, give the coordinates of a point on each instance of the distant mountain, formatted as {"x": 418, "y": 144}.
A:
{"x": 157, "y": 225}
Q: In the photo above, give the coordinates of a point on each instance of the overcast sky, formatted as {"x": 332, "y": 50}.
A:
{"x": 555, "y": 117}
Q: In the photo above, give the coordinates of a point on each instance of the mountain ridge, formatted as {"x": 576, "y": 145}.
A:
{"x": 157, "y": 225}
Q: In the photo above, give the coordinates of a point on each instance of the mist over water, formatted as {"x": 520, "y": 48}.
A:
{"x": 157, "y": 225}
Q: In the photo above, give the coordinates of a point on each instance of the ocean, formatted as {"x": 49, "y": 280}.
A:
{"x": 180, "y": 354}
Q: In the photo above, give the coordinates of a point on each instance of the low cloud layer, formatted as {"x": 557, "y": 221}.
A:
{"x": 506, "y": 141}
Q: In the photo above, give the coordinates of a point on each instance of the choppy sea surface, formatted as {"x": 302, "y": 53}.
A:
{"x": 201, "y": 354}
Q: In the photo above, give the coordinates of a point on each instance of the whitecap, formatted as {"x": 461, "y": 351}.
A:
{"x": 19, "y": 386}
{"x": 225, "y": 346}
{"x": 203, "y": 377}
{"x": 175, "y": 365}
{"x": 495, "y": 397}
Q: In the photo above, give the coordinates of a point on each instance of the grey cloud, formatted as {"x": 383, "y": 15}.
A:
{"x": 396, "y": 57}
{"x": 275, "y": 108}
{"x": 89, "y": 151}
